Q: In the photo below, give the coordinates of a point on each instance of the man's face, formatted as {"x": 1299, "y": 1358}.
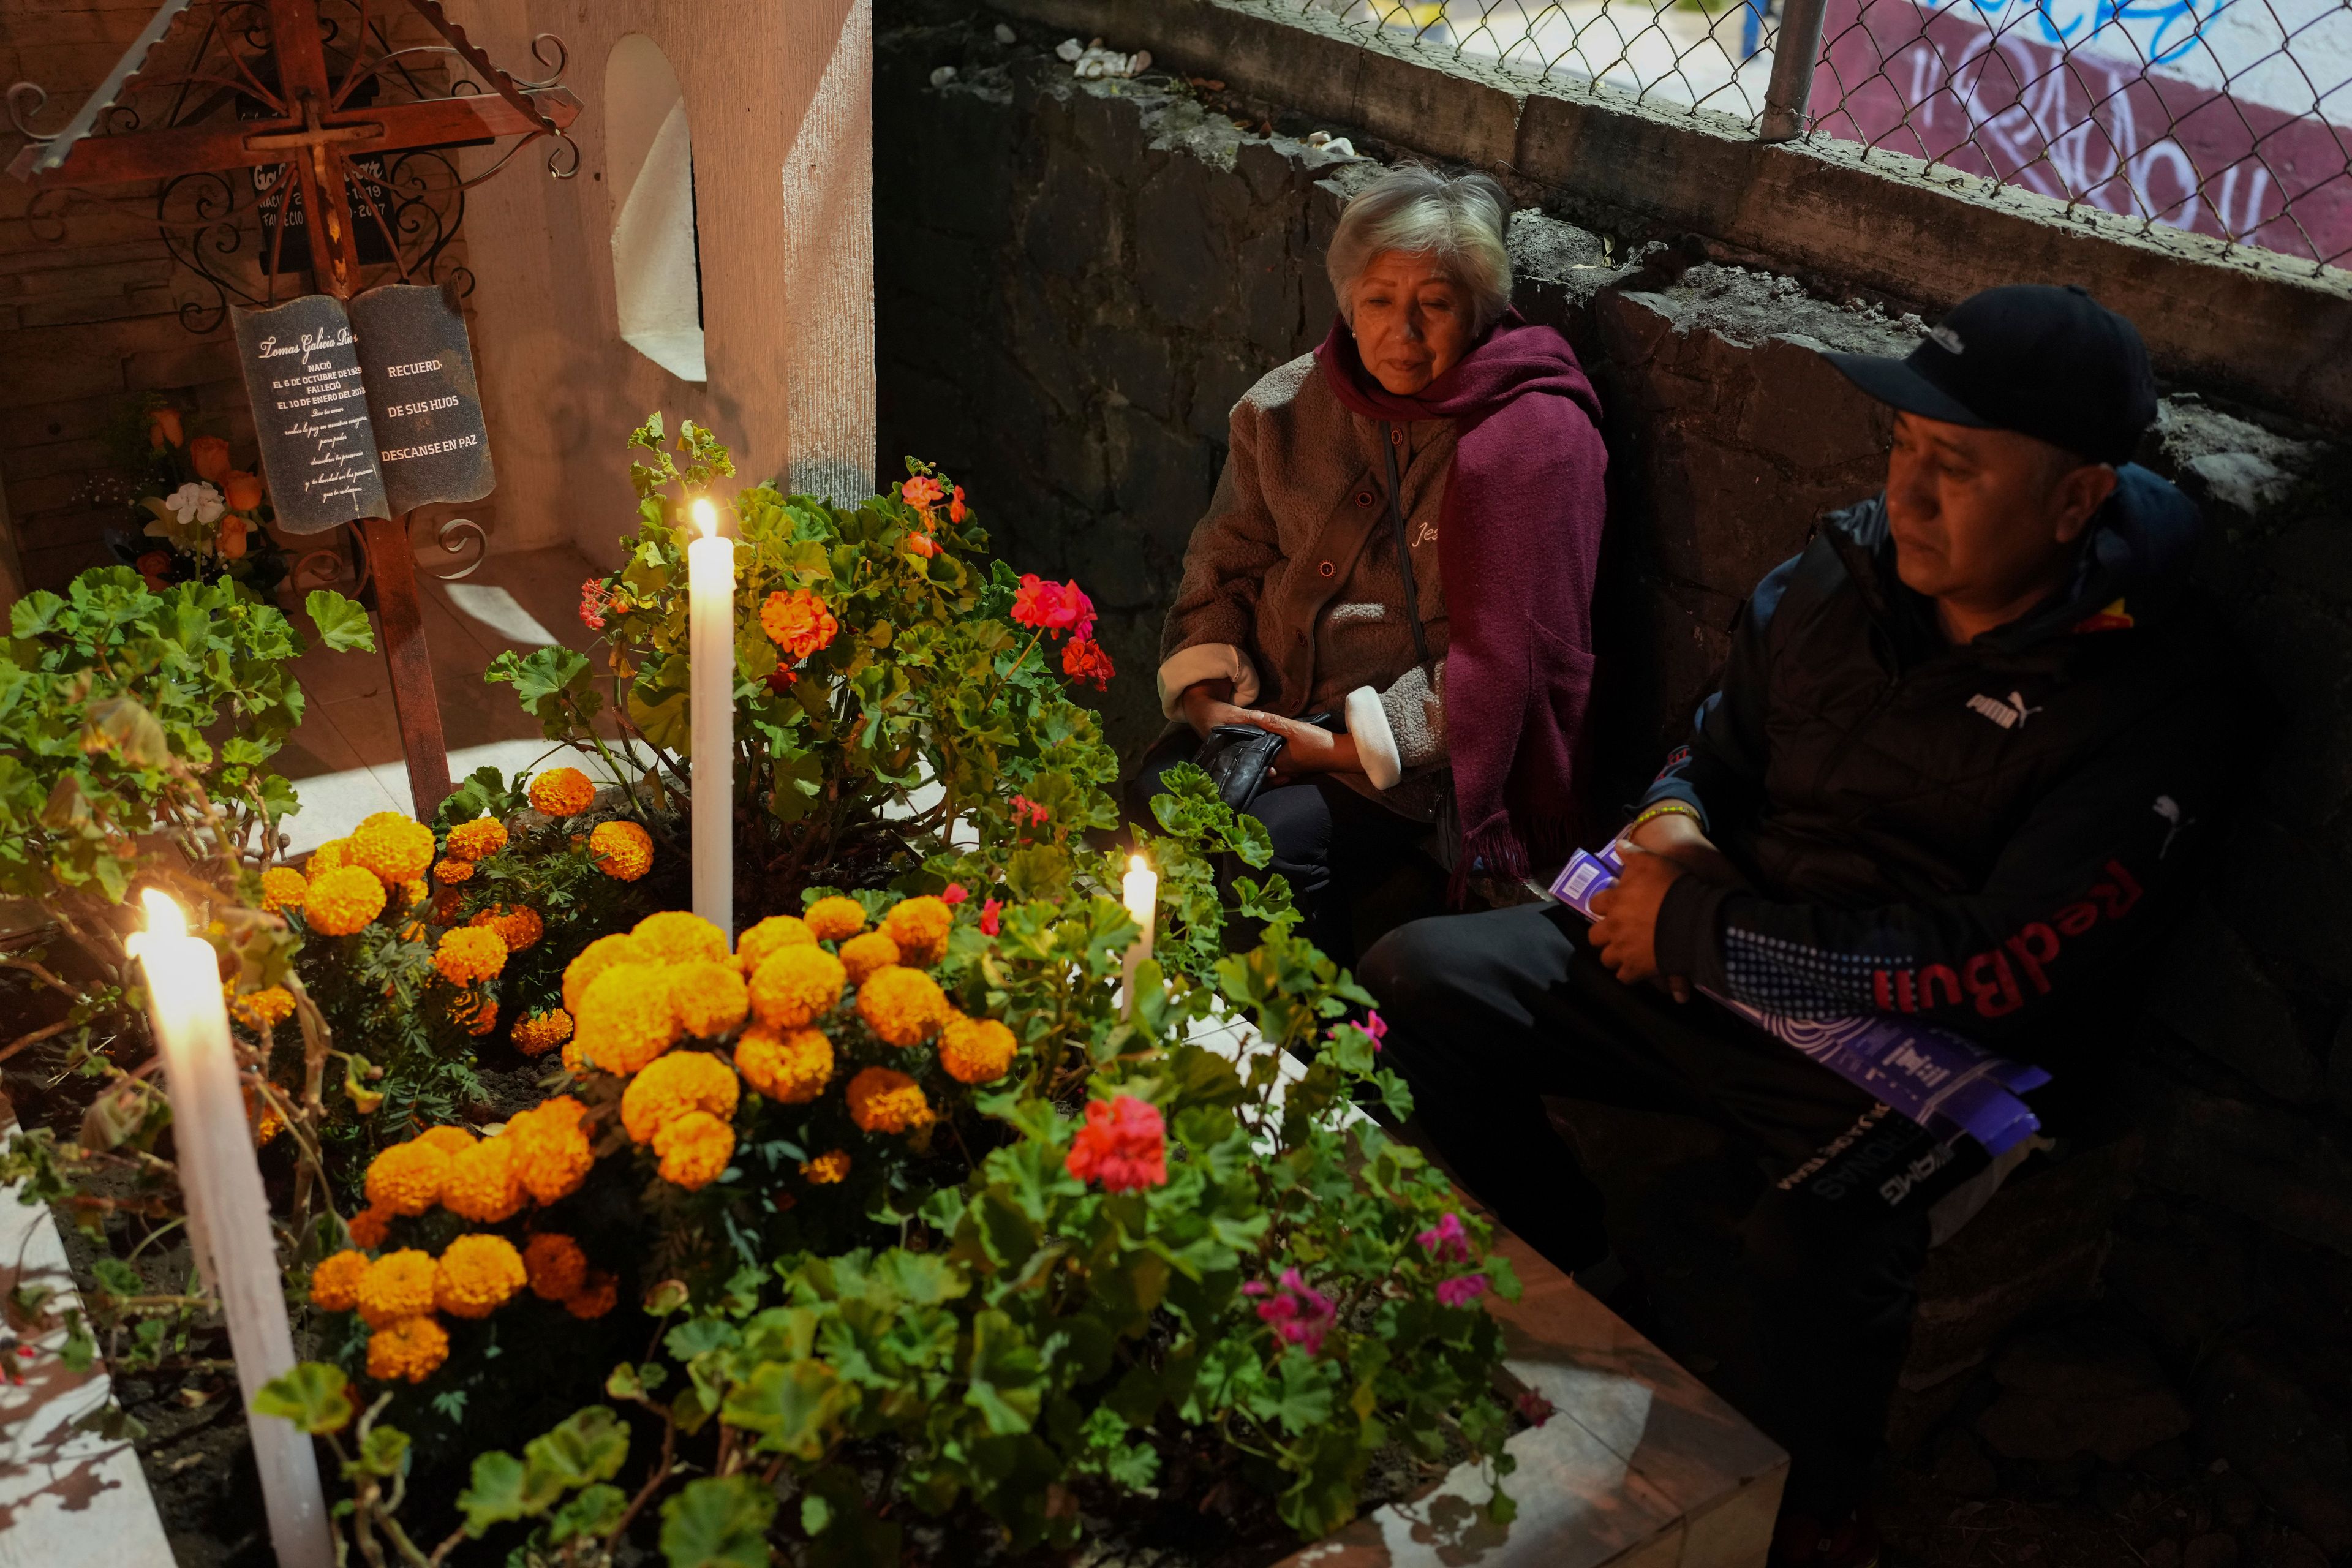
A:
{"x": 1983, "y": 516}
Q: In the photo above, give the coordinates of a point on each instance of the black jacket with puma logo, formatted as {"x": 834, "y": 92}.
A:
{"x": 1976, "y": 834}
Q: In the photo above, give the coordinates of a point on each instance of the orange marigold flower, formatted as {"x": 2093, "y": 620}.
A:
{"x": 282, "y": 888}
{"x": 406, "y": 1178}
{"x": 272, "y": 1004}
{"x": 708, "y": 998}
{"x": 694, "y": 1149}
{"x": 397, "y": 1285}
{"x": 827, "y": 1168}
{"x": 542, "y": 1032}
{"x": 451, "y": 1140}
{"x": 413, "y": 893}
{"x": 919, "y": 927}
{"x": 976, "y": 1050}
{"x": 864, "y": 953}
{"x": 453, "y": 871}
{"x": 796, "y": 986}
{"x": 835, "y": 919}
{"x": 477, "y": 1011}
{"x": 343, "y": 901}
{"x": 797, "y": 622}
{"x": 625, "y": 1019}
{"x": 552, "y": 1154}
{"x": 556, "y": 1266}
{"x": 680, "y": 1082}
{"x": 395, "y": 847}
{"x": 335, "y": 1283}
{"x": 791, "y": 1067}
{"x": 370, "y": 1225}
{"x": 763, "y": 940}
{"x": 597, "y": 1298}
{"x": 483, "y": 1185}
{"x": 411, "y": 1350}
{"x": 327, "y": 856}
{"x": 622, "y": 850}
{"x": 562, "y": 792}
{"x": 679, "y": 936}
{"x": 881, "y": 1100}
{"x": 476, "y": 1275}
{"x": 479, "y": 840}
{"x": 594, "y": 959}
{"x": 446, "y": 907}
{"x": 904, "y": 1006}
{"x": 519, "y": 926}
{"x": 470, "y": 953}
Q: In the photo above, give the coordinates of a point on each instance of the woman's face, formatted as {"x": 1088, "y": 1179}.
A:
{"x": 1413, "y": 322}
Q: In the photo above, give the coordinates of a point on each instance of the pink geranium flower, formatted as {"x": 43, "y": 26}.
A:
{"x": 1447, "y": 1240}
{"x": 1461, "y": 1290}
{"x": 1301, "y": 1314}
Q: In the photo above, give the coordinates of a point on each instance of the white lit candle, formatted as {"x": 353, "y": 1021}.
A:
{"x": 710, "y": 650}
{"x": 1140, "y": 892}
{"x": 228, "y": 1215}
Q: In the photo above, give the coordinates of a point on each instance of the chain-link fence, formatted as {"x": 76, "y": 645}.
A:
{"x": 2230, "y": 118}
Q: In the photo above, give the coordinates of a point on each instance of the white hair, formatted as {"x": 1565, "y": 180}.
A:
{"x": 1458, "y": 220}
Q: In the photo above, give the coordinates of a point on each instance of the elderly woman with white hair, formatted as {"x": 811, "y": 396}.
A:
{"x": 1401, "y": 547}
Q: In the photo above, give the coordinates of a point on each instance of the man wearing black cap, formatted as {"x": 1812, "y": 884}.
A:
{"x": 1956, "y": 765}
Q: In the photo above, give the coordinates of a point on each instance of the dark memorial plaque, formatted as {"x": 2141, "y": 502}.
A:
{"x": 301, "y": 364}
{"x": 430, "y": 439}
{"x": 364, "y": 410}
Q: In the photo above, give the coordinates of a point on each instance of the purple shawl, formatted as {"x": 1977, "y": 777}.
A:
{"x": 1518, "y": 539}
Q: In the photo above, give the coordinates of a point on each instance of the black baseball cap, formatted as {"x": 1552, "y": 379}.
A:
{"x": 2046, "y": 362}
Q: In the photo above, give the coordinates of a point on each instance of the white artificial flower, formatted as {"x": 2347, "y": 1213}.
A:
{"x": 196, "y": 502}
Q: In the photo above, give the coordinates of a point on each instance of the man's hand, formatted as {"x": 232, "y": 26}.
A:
{"x": 1626, "y": 928}
{"x": 1679, "y": 838}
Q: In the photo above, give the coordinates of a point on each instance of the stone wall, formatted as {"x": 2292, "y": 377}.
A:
{"x": 1078, "y": 279}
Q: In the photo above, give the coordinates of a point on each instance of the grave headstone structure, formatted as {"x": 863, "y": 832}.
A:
{"x": 365, "y": 399}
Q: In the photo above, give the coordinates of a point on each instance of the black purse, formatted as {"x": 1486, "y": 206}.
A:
{"x": 1237, "y": 757}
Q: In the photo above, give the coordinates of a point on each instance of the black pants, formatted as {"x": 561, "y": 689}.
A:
{"x": 1488, "y": 1013}
{"x": 1335, "y": 847}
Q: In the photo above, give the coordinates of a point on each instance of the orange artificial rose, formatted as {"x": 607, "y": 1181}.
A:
{"x": 208, "y": 455}
{"x": 164, "y": 428}
{"x": 243, "y": 491}
{"x": 232, "y": 535}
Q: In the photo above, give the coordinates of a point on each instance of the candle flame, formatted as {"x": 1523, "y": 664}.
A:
{"x": 1135, "y": 863}
{"x": 706, "y": 517}
{"x": 166, "y": 922}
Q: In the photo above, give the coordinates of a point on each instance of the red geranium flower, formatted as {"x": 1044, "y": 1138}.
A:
{"x": 922, "y": 491}
{"x": 1053, "y": 607}
{"x": 957, "y": 510}
{"x": 991, "y": 917}
{"x": 1085, "y": 661}
{"x": 592, "y": 604}
{"x": 1123, "y": 1145}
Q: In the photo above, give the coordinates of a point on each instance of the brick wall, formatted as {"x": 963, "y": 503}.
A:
{"x": 1075, "y": 281}
{"x": 90, "y": 321}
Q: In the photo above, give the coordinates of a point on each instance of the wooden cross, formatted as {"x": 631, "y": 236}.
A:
{"x": 315, "y": 135}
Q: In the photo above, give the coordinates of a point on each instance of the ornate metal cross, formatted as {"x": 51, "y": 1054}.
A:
{"x": 313, "y": 125}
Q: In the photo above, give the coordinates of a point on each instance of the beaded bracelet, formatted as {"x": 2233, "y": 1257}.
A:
{"x": 1664, "y": 808}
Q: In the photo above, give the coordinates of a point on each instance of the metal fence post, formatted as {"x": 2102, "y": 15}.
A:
{"x": 1794, "y": 53}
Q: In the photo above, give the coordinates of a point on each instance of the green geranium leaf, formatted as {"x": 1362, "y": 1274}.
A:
{"x": 312, "y": 1396}
{"x": 596, "y": 1512}
{"x": 496, "y": 1494}
{"x": 343, "y": 624}
{"x": 718, "y": 1523}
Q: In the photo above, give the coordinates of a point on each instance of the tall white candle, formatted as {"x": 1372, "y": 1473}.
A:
{"x": 228, "y": 1215}
{"x": 711, "y": 648}
{"x": 1140, "y": 892}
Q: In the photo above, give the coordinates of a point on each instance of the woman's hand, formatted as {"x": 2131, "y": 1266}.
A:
{"x": 1306, "y": 748}
{"x": 1208, "y": 703}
